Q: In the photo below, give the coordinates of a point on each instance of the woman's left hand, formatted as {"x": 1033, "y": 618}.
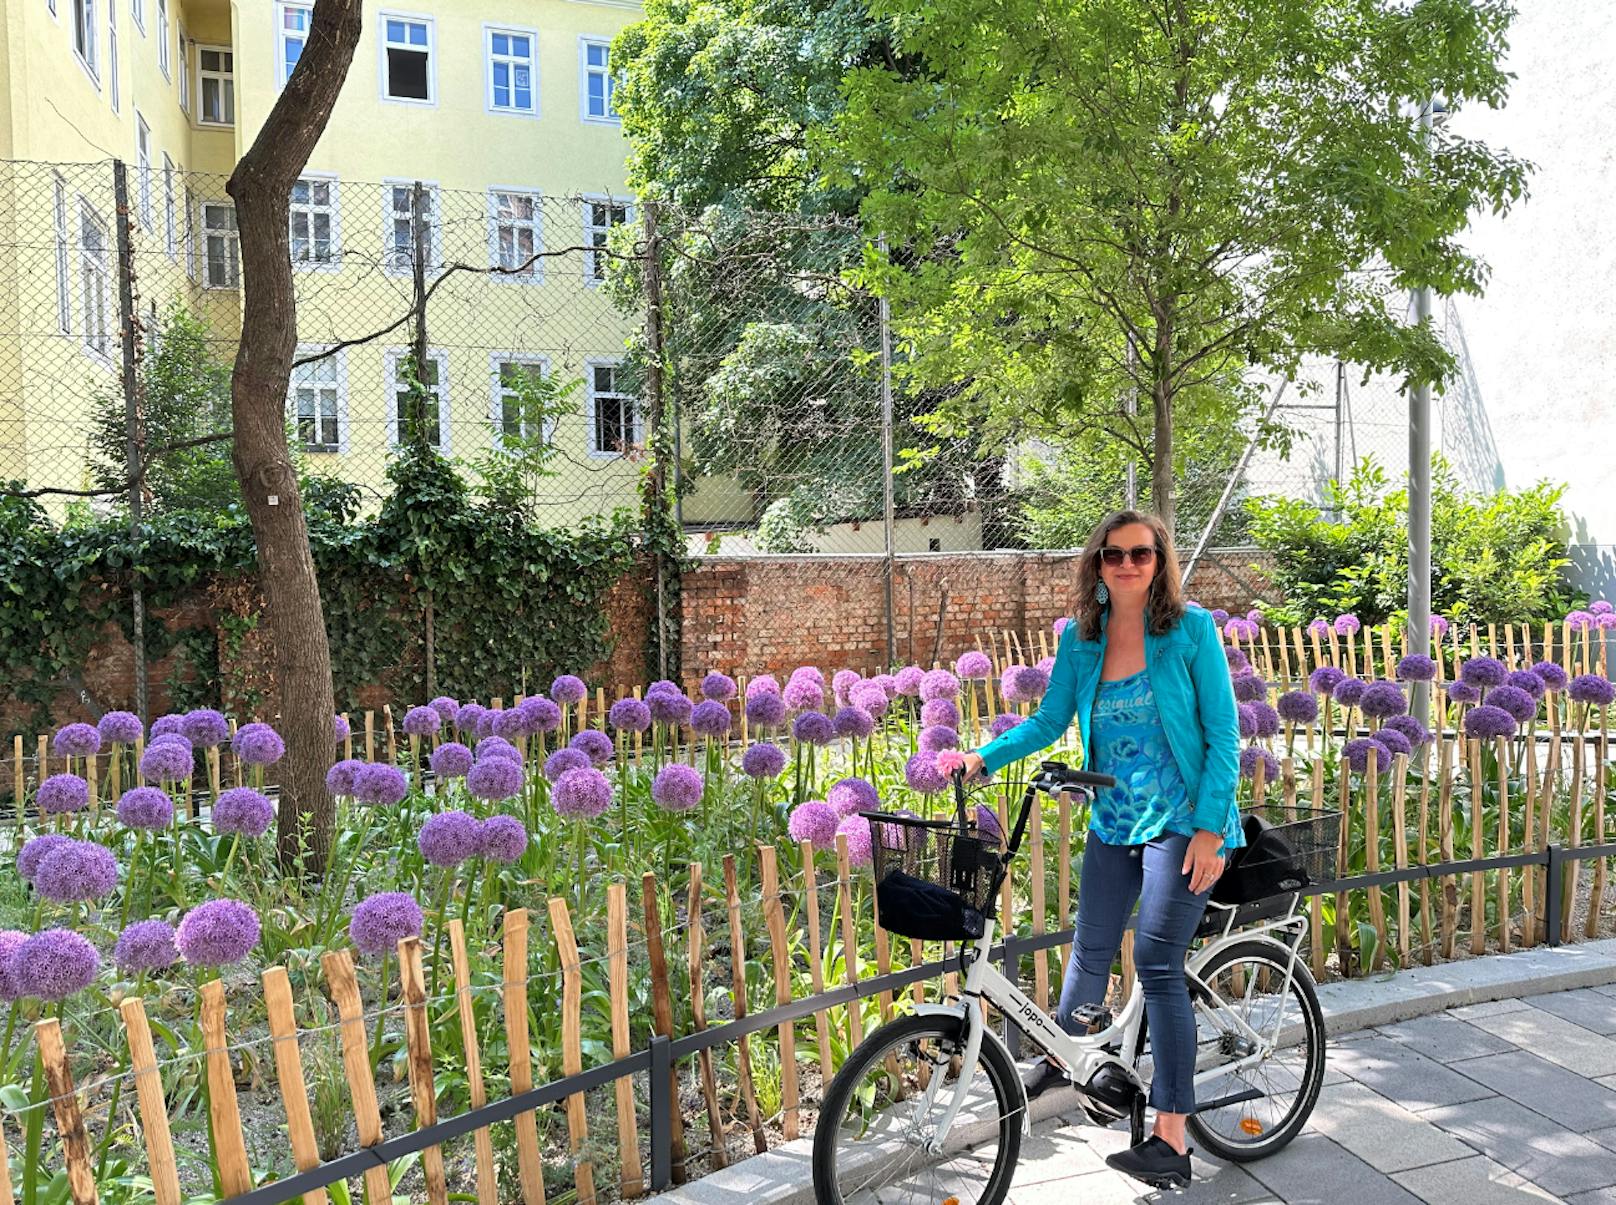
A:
{"x": 1202, "y": 861}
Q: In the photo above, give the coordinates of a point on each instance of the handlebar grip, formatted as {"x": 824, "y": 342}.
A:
{"x": 1085, "y": 778}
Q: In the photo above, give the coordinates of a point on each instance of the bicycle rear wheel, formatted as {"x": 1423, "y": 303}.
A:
{"x": 885, "y": 1104}
{"x": 1251, "y": 1112}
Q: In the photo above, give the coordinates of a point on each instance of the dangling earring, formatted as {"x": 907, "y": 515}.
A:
{"x": 1101, "y": 594}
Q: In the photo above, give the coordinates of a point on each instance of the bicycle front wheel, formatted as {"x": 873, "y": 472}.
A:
{"x": 873, "y": 1140}
{"x": 1254, "y": 1110}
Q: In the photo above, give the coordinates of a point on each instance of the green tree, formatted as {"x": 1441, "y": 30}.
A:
{"x": 1097, "y": 197}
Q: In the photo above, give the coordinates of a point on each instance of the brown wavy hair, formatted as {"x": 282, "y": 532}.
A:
{"x": 1164, "y": 605}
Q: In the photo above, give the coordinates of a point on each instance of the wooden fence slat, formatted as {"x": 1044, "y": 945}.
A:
{"x": 1596, "y": 900}
{"x": 344, "y": 987}
{"x": 7, "y": 1197}
{"x": 775, "y": 918}
{"x": 628, "y": 1129}
{"x": 1568, "y": 897}
{"x": 1503, "y": 842}
{"x": 1040, "y": 966}
{"x": 19, "y": 782}
{"x": 482, "y": 1139}
{"x": 65, "y": 1104}
{"x": 1400, "y": 851}
{"x": 160, "y": 1163}
{"x": 289, "y": 1075}
{"x": 1343, "y": 930}
{"x": 1426, "y": 952}
{"x": 229, "y": 1146}
{"x": 1377, "y": 903}
{"x": 737, "y": 961}
{"x": 844, "y": 902}
{"x": 698, "y": 1007}
{"x": 572, "y": 1052}
{"x": 418, "y": 1044}
{"x": 530, "y": 1167}
{"x": 1444, "y": 824}
{"x": 816, "y": 969}
{"x": 370, "y": 735}
{"x": 662, "y": 1006}
{"x": 1316, "y": 920}
{"x": 1478, "y": 879}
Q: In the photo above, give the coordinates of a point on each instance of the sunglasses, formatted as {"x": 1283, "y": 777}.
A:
{"x": 1139, "y": 554}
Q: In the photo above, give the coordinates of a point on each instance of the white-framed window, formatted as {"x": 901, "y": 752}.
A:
{"x": 137, "y": 10}
{"x": 84, "y": 38}
{"x": 51, "y": 6}
{"x": 434, "y": 375}
{"x": 221, "y": 267}
{"x": 292, "y": 23}
{"x": 317, "y": 400}
{"x": 185, "y": 68}
{"x": 112, "y": 53}
{"x": 143, "y": 164}
{"x": 614, "y": 419}
{"x": 313, "y": 218}
{"x": 170, "y": 223}
{"x": 600, "y": 215}
{"x": 407, "y": 59}
{"x": 597, "y": 86}
{"x": 516, "y": 233}
{"x": 190, "y": 233}
{"x": 95, "y": 277}
{"x": 507, "y": 373}
{"x": 398, "y": 235}
{"x": 64, "y": 287}
{"x": 162, "y": 38}
{"x": 511, "y": 86}
{"x": 216, "y": 86}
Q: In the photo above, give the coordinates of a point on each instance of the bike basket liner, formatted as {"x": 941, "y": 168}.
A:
{"x": 932, "y": 883}
{"x": 1286, "y": 849}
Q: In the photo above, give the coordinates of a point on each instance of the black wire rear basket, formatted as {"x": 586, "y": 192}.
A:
{"x": 935, "y": 852}
{"x": 1287, "y": 848}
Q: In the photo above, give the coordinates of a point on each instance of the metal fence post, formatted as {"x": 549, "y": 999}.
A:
{"x": 887, "y": 501}
{"x": 662, "y": 1106}
{"x": 134, "y": 423}
{"x": 1551, "y": 915}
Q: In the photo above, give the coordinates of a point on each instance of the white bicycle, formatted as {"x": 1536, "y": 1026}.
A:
{"x": 930, "y": 1107}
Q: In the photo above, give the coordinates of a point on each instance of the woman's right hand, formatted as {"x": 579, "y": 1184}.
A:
{"x": 950, "y": 760}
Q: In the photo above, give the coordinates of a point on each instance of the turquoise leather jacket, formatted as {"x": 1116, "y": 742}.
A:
{"x": 1189, "y": 676}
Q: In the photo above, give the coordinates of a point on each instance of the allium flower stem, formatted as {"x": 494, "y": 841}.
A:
{"x": 381, "y": 1012}
{"x": 437, "y": 938}
{"x": 467, "y": 893}
{"x": 229, "y": 861}
{"x": 129, "y": 888}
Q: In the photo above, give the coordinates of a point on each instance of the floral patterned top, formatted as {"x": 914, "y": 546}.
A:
{"x": 1128, "y": 742}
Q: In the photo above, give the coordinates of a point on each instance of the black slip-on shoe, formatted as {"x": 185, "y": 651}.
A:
{"x": 1040, "y": 1077}
{"x": 1154, "y": 1162}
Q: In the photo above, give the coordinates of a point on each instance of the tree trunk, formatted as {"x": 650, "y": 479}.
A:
{"x": 1161, "y": 463}
{"x": 261, "y": 188}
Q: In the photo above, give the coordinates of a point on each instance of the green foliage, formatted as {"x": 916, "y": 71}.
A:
{"x": 512, "y": 473}
{"x": 1495, "y": 557}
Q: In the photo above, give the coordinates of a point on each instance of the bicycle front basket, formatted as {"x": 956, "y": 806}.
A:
{"x": 1286, "y": 849}
{"x": 931, "y": 882}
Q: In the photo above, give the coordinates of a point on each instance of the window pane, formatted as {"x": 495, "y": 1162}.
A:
{"x": 406, "y": 74}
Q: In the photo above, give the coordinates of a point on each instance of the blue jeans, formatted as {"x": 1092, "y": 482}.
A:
{"x": 1113, "y": 877}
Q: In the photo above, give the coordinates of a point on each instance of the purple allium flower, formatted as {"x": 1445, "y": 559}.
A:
{"x": 670, "y": 707}
{"x": 1358, "y": 752}
{"x": 1239, "y": 663}
{"x": 987, "y": 823}
{"x": 450, "y": 760}
{"x": 498, "y": 746}
{"x": 1024, "y": 683}
{"x": 447, "y": 708}
{"x": 871, "y": 698}
{"x": 10, "y": 942}
{"x": 512, "y": 725}
{"x": 1251, "y": 756}
{"x": 1521, "y": 706}
{"x": 1254, "y": 616}
{"x": 813, "y": 820}
{"x": 146, "y": 945}
{"x": 563, "y": 760}
{"x": 1439, "y": 626}
{"x": 1460, "y": 691}
{"x": 145, "y": 807}
{"x": 76, "y": 740}
{"x": 1046, "y": 666}
{"x": 1326, "y": 678}
{"x": 1298, "y": 707}
{"x": 1554, "y": 677}
{"x": 468, "y": 717}
{"x": 448, "y": 838}
{"x": 1484, "y": 672}
{"x": 814, "y": 728}
{"x": 1319, "y": 628}
{"x": 854, "y": 722}
{"x": 217, "y": 933}
{"x": 1350, "y": 692}
{"x": 1264, "y": 719}
{"x": 938, "y": 684}
{"x": 485, "y": 723}
{"x": 1411, "y": 730}
{"x": 888, "y": 684}
{"x": 379, "y": 784}
{"x": 1249, "y": 688}
{"x": 1590, "y": 688}
{"x": 120, "y": 728}
{"x": 940, "y": 711}
{"x": 937, "y": 738}
{"x": 909, "y": 679}
{"x": 629, "y": 715}
{"x": 53, "y": 965}
{"x": 501, "y": 839}
{"x": 171, "y": 738}
{"x": 422, "y": 721}
{"x": 763, "y": 684}
{"x": 165, "y": 725}
{"x": 243, "y": 810}
{"x": 78, "y": 870}
{"x": 1416, "y": 667}
{"x": 381, "y": 921}
{"x": 973, "y": 666}
{"x": 1002, "y": 723}
{"x": 851, "y": 795}
{"x": 803, "y": 694}
{"x": 1579, "y": 621}
{"x": 1605, "y": 620}
{"x": 205, "y": 727}
{"x": 1219, "y": 616}
{"x": 341, "y": 730}
{"x": 596, "y": 745}
{"x": 258, "y": 745}
{"x": 1600, "y": 607}
{"x": 1059, "y": 625}
{"x": 1347, "y": 625}
{"x": 922, "y": 774}
{"x": 841, "y": 682}
{"x": 710, "y": 718}
{"x": 812, "y": 672}
{"x": 1245, "y": 720}
{"x": 495, "y": 778}
{"x": 1394, "y": 742}
{"x": 763, "y": 760}
{"x": 33, "y": 853}
{"x": 1487, "y": 722}
{"x": 859, "y": 840}
{"x": 1382, "y": 699}
{"x": 568, "y": 688}
{"x": 720, "y": 688}
{"x": 62, "y": 793}
{"x": 339, "y": 779}
{"x": 677, "y": 787}
{"x": 582, "y": 794}
{"x": 765, "y": 710}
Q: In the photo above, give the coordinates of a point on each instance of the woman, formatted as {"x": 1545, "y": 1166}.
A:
{"x": 1147, "y": 679}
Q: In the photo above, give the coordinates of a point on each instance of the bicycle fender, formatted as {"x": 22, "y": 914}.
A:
{"x": 1280, "y": 950}
{"x": 958, "y": 1012}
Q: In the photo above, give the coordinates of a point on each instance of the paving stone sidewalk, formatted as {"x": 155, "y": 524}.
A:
{"x": 1510, "y": 1100}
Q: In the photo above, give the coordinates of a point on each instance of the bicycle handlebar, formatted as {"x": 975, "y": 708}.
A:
{"x": 1051, "y": 776}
